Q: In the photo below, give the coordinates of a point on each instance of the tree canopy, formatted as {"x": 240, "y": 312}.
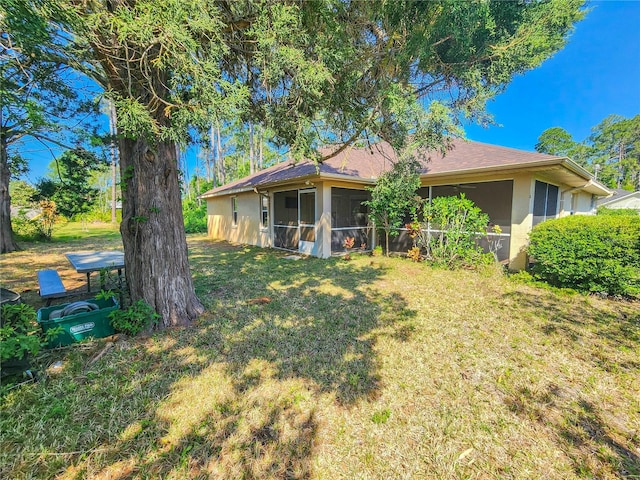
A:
{"x": 313, "y": 72}
{"x": 611, "y": 152}
{"x": 69, "y": 185}
{"x": 38, "y": 101}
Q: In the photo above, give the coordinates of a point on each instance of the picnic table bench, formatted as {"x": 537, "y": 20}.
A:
{"x": 51, "y": 285}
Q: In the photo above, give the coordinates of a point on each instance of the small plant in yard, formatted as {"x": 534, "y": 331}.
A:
{"x": 413, "y": 230}
{"x": 46, "y": 220}
{"x": 19, "y": 332}
{"x": 381, "y": 416}
{"x": 414, "y": 254}
{"x": 20, "y": 337}
{"x": 105, "y": 295}
{"x": 348, "y": 244}
{"x": 134, "y": 319}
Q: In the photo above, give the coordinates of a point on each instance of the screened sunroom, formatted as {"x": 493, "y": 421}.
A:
{"x": 350, "y": 218}
{"x": 493, "y": 198}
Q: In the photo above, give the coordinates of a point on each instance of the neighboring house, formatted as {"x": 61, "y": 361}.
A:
{"x": 28, "y": 212}
{"x": 309, "y": 208}
{"x": 621, "y": 199}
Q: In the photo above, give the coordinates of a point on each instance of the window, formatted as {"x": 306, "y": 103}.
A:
{"x": 545, "y": 202}
{"x": 234, "y": 210}
{"x": 264, "y": 207}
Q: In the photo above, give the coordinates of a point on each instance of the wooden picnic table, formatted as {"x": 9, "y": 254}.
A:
{"x": 89, "y": 262}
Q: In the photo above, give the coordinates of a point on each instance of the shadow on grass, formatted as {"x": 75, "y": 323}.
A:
{"x": 584, "y": 436}
{"x": 319, "y": 322}
{"x": 618, "y": 328}
{"x": 233, "y": 397}
{"x": 608, "y": 339}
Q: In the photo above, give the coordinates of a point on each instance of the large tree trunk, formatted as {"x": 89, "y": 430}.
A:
{"x": 7, "y": 242}
{"x": 155, "y": 245}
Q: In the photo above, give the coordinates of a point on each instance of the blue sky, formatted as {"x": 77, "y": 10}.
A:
{"x": 595, "y": 75}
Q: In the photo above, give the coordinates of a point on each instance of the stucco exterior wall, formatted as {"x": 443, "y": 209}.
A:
{"x": 521, "y": 219}
{"x": 583, "y": 204}
{"x": 248, "y": 230}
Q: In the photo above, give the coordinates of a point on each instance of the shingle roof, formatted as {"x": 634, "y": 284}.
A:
{"x": 366, "y": 164}
{"x": 618, "y": 194}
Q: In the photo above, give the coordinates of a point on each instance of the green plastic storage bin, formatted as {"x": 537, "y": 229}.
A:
{"x": 76, "y": 327}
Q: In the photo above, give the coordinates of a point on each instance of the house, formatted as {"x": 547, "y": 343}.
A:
{"x": 309, "y": 208}
{"x": 621, "y": 199}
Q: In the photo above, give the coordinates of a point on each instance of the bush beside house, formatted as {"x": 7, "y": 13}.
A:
{"x": 588, "y": 253}
{"x": 195, "y": 217}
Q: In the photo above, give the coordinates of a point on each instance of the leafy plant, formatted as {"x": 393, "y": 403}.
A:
{"x": 46, "y": 220}
{"x": 348, "y": 244}
{"x": 19, "y": 333}
{"x": 415, "y": 254}
{"x": 381, "y": 416}
{"x": 195, "y": 217}
{"x": 134, "y": 319}
{"x": 24, "y": 227}
{"x": 450, "y": 229}
{"x": 413, "y": 230}
{"x": 394, "y": 197}
{"x": 105, "y": 295}
{"x": 495, "y": 241}
{"x": 588, "y": 253}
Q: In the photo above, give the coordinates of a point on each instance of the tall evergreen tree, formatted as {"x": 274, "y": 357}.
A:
{"x": 611, "y": 152}
{"x": 616, "y": 148}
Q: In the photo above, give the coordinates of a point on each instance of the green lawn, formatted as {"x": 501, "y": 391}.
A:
{"x": 372, "y": 368}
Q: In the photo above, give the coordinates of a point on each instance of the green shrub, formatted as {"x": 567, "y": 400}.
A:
{"x": 458, "y": 223}
{"x": 195, "y": 217}
{"x": 588, "y": 253}
{"x": 617, "y": 211}
{"x": 98, "y": 215}
{"x": 135, "y": 319}
{"x": 24, "y": 228}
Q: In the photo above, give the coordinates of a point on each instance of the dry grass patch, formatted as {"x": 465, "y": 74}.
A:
{"x": 373, "y": 368}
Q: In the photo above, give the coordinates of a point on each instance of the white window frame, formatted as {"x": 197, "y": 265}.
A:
{"x": 234, "y": 211}
{"x": 264, "y": 208}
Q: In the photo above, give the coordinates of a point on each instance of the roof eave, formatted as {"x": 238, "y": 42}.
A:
{"x": 591, "y": 185}
{"x": 291, "y": 181}
{"x": 494, "y": 168}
